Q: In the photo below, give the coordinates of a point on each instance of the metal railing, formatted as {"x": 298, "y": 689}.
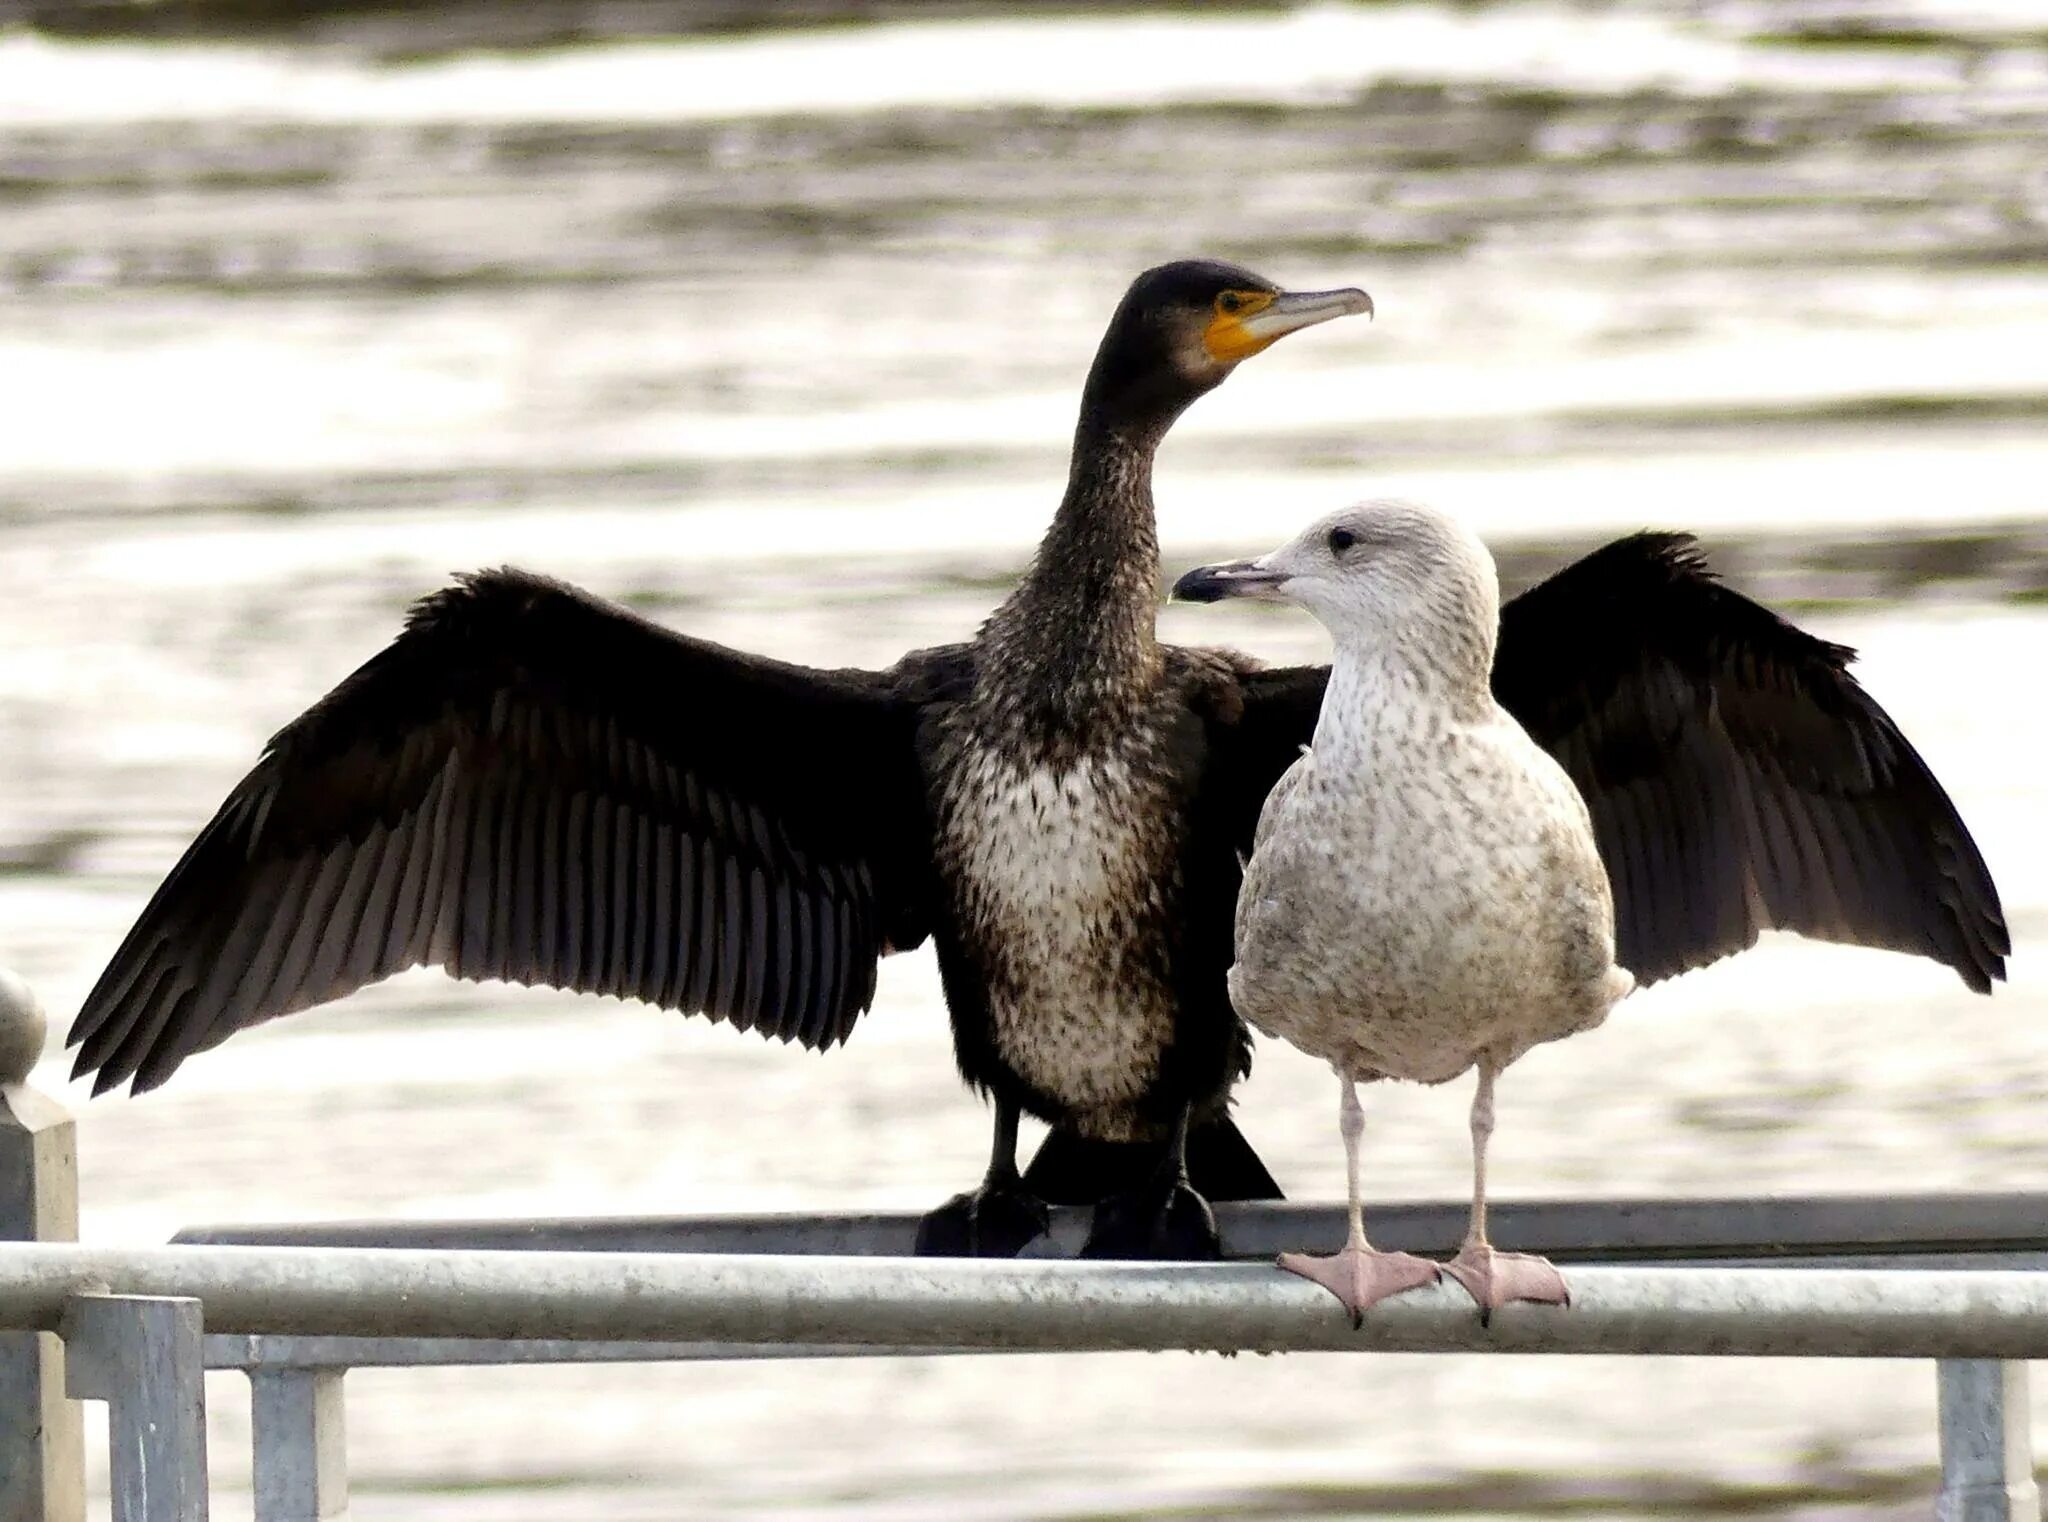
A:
{"x": 1956, "y": 1279}
{"x": 1012, "y": 1306}
{"x": 134, "y": 1323}
{"x": 1868, "y": 1231}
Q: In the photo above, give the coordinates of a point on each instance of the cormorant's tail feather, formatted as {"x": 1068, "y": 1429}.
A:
{"x": 1222, "y": 1165}
{"x": 1072, "y": 1170}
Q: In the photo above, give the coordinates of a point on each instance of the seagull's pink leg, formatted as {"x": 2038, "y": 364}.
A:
{"x": 1360, "y": 1275}
{"x": 1495, "y": 1278}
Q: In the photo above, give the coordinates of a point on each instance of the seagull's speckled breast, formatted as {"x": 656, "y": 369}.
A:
{"x": 1423, "y": 889}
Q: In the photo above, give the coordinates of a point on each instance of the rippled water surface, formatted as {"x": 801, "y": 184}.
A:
{"x": 778, "y": 338}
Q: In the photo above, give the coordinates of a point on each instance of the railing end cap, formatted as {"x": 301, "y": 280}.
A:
{"x": 23, "y": 1028}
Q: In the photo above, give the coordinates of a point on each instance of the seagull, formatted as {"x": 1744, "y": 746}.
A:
{"x": 1425, "y": 894}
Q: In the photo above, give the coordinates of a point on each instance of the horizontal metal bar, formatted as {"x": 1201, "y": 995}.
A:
{"x": 1606, "y": 1231}
{"x": 224, "y": 1351}
{"x": 270, "y": 1351}
{"x": 926, "y": 1303}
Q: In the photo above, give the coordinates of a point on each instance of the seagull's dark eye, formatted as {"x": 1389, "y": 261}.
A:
{"x": 1341, "y": 539}
{"x": 1230, "y": 303}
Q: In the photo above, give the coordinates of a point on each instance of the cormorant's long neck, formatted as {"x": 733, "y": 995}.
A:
{"x": 1074, "y": 646}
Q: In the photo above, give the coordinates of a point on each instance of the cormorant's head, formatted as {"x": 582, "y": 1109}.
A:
{"x": 1182, "y": 327}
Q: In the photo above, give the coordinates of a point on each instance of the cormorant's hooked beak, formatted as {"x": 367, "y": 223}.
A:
{"x": 1233, "y": 336}
{"x": 1233, "y": 578}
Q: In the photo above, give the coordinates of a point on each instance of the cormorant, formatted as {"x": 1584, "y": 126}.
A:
{"x": 1424, "y": 894}
{"x": 532, "y": 784}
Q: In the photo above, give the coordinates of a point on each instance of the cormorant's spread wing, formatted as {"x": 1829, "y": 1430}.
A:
{"x": 1738, "y": 776}
{"x": 1265, "y": 736}
{"x": 534, "y": 785}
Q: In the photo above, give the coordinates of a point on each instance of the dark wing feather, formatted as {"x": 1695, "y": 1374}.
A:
{"x": 1254, "y": 724}
{"x": 534, "y": 785}
{"x": 1738, "y": 776}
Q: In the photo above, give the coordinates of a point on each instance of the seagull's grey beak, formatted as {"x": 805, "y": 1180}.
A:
{"x": 1233, "y": 578}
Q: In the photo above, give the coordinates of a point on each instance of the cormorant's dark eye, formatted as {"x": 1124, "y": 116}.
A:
{"x": 1341, "y": 539}
{"x": 1230, "y": 303}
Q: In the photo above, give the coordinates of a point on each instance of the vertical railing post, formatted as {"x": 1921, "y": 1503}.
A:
{"x": 141, "y": 1354}
{"x": 42, "y": 1444}
{"x": 301, "y": 1440}
{"x": 1987, "y": 1443}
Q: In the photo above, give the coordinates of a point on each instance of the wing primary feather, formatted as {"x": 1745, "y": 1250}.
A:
{"x": 1783, "y": 879}
{"x": 147, "y": 970}
{"x": 116, "y": 985}
{"x": 754, "y": 983}
{"x": 827, "y": 992}
{"x": 619, "y": 979}
{"x": 501, "y": 951}
{"x": 549, "y": 882}
{"x": 154, "y": 1030}
{"x": 208, "y": 855}
{"x": 405, "y": 936}
{"x": 483, "y": 908}
{"x": 706, "y": 953}
{"x": 869, "y": 943}
{"x": 814, "y": 914}
{"x": 715, "y": 814}
{"x": 472, "y": 887}
{"x": 311, "y": 923}
{"x": 522, "y": 878}
{"x": 598, "y": 893}
{"x": 779, "y": 1008}
{"x": 1614, "y": 817}
{"x": 380, "y": 864}
{"x": 842, "y": 970}
{"x": 691, "y": 953}
{"x": 259, "y": 995}
{"x": 751, "y": 826}
{"x": 731, "y": 950}
{"x": 575, "y": 893}
{"x": 441, "y": 903}
{"x": 663, "y": 927}
{"x": 234, "y": 963}
{"x": 643, "y": 976}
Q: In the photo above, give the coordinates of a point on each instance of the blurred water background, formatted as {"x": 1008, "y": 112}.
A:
{"x": 777, "y": 335}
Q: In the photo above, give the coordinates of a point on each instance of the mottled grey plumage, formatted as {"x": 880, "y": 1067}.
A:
{"x": 1424, "y": 894}
{"x": 1424, "y": 886}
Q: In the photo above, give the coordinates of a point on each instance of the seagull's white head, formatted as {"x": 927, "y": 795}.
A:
{"x": 1386, "y": 574}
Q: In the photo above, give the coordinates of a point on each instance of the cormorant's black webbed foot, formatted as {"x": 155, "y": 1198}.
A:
{"x": 994, "y": 1221}
{"x": 1161, "y": 1218}
{"x": 1165, "y": 1220}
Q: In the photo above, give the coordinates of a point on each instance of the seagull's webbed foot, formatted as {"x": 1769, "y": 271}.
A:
{"x": 994, "y": 1221}
{"x": 1495, "y": 1278}
{"x": 1361, "y": 1277}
